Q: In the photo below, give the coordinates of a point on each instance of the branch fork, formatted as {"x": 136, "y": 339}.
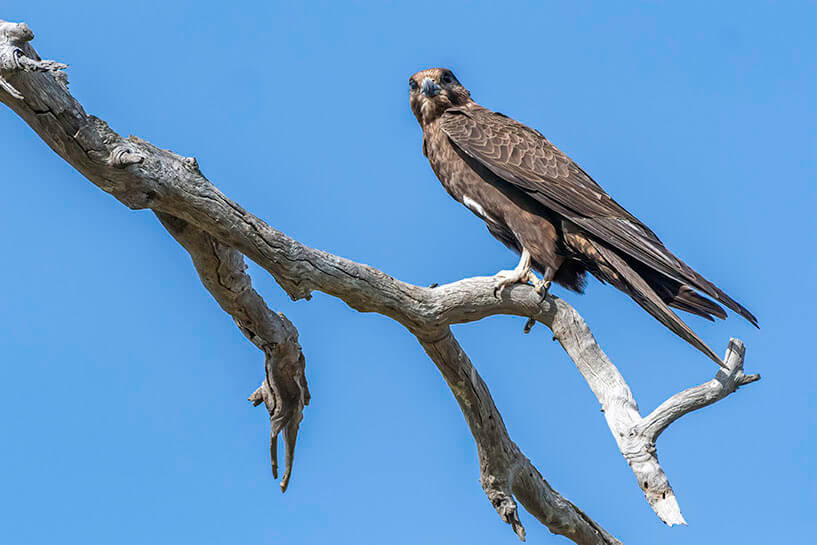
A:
{"x": 218, "y": 234}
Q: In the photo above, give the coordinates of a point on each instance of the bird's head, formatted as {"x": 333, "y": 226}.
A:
{"x": 433, "y": 91}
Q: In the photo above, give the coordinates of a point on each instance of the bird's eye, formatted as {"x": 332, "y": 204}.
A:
{"x": 413, "y": 85}
{"x": 447, "y": 78}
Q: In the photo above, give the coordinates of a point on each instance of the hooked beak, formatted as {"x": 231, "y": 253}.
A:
{"x": 429, "y": 88}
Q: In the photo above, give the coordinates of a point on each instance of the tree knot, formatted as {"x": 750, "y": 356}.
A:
{"x": 124, "y": 155}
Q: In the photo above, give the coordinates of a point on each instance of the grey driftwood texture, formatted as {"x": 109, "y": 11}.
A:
{"x": 218, "y": 233}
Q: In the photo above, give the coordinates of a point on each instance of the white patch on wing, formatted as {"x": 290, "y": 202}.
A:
{"x": 475, "y": 207}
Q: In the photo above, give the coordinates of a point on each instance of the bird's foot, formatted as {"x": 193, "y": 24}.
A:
{"x": 516, "y": 276}
{"x": 542, "y": 287}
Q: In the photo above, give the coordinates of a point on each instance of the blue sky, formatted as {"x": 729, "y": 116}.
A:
{"x": 123, "y": 386}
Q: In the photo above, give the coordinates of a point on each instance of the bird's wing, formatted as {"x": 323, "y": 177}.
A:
{"x": 523, "y": 157}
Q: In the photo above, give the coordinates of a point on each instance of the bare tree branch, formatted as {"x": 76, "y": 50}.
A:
{"x": 504, "y": 471}
{"x": 216, "y": 232}
{"x": 284, "y": 391}
{"x": 634, "y": 435}
{"x": 727, "y": 381}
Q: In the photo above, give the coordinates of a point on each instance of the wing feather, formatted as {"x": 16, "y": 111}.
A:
{"x": 525, "y": 158}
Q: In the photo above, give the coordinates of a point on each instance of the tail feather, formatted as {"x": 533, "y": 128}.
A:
{"x": 688, "y": 300}
{"x": 715, "y": 292}
{"x": 628, "y": 280}
{"x": 680, "y": 296}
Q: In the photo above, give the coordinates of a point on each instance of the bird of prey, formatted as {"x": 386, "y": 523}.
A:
{"x": 540, "y": 204}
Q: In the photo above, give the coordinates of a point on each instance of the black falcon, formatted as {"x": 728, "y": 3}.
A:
{"x": 539, "y": 203}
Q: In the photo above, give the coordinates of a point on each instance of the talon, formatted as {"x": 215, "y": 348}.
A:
{"x": 521, "y": 273}
{"x": 543, "y": 290}
{"x": 507, "y": 278}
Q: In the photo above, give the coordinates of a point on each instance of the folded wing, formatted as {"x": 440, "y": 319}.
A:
{"x": 525, "y": 158}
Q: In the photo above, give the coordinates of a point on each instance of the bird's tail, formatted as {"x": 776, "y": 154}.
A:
{"x": 619, "y": 273}
{"x": 678, "y": 295}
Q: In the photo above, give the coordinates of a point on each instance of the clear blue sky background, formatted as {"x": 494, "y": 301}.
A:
{"x": 123, "y": 386}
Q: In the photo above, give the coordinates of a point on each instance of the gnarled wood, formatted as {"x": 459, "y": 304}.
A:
{"x": 284, "y": 391}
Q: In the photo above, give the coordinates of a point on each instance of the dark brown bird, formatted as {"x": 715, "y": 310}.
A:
{"x": 539, "y": 203}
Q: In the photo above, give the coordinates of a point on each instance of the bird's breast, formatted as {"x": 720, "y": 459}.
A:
{"x": 446, "y": 163}
{"x": 460, "y": 180}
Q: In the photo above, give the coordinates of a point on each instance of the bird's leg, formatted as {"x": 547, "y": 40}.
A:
{"x": 542, "y": 286}
{"x": 521, "y": 273}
